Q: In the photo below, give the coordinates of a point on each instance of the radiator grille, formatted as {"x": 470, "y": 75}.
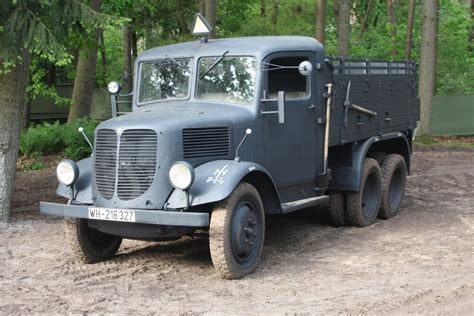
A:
{"x": 137, "y": 163}
{"x": 105, "y": 160}
{"x": 205, "y": 142}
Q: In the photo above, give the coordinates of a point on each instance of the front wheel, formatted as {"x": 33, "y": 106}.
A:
{"x": 237, "y": 232}
{"x": 87, "y": 244}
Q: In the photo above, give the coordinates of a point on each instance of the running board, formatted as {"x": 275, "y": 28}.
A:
{"x": 300, "y": 204}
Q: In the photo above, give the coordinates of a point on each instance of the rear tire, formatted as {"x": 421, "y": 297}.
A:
{"x": 236, "y": 232}
{"x": 363, "y": 206}
{"x": 337, "y": 208}
{"x": 88, "y": 245}
{"x": 394, "y": 172}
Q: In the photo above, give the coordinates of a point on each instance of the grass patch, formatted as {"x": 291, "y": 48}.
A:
{"x": 445, "y": 141}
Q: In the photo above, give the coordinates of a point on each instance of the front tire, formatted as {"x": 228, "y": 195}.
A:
{"x": 237, "y": 232}
{"x": 337, "y": 208}
{"x": 363, "y": 206}
{"x": 88, "y": 245}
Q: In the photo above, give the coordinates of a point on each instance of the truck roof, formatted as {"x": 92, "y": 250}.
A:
{"x": 258, "y": 46}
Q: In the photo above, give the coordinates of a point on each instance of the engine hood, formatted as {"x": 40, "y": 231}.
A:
{"x": 167, "y": 117}
{"x": 195, "y": 132}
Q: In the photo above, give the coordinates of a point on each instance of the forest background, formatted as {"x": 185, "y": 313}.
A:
{"x": 88, "y": 43}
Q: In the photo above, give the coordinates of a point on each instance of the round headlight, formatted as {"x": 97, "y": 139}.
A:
{"x": 113, "y": 87}
{"x": 181, "y": 175}
{"x": 67, "y": 172}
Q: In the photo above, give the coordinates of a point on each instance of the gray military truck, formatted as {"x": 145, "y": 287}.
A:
{"x": 225, "y": 131}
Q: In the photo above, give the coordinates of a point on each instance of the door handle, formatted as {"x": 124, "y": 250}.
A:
{"x": 311, "y": 107}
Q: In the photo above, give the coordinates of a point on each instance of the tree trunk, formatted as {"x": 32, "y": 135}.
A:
{"x": 26, "y": 115}
{"x": 335, "y": 8}
{"x": 134, "y": 45}
{"x": 274, "y": 16}
{"x": 211, "y": 9}
{"x": 409, "y": 36}
{"x": 393, "y": 27}
{"x": 321, "y": 20}
{"x": 85, "y": 75}
{"x": 50, "y": 73}
{"x": 181, "y": 18}
{"x": 365, "y": 21}
{"x": 343, "y": 26}
{"x": 470, "y": 39}
{"x": 12, "y": 104}
{"x": 263, "y": 9}
{"x": 202, "y": 7}
{"x": 127, "y": 49}
{"x": 428, "y": 64}
{"x": 103, "y": 57}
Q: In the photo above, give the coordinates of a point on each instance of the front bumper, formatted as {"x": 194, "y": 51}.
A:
{"x": 154, "y": 217}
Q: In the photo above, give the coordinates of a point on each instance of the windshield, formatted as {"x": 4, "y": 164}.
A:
{"x": 164, "y": 79}
{"x": 227, "y": 79}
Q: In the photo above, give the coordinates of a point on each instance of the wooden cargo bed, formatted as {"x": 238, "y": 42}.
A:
{"x": 387, "y": 88}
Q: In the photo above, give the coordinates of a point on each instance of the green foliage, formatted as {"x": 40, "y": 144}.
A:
{"x": 114, "y": 55}
{"x": 47, "y": 138}
{"x": 44, "y": 138}
{"x": 38, "y": 87}
{"x": 76, "y": 146}
{"x": 42, "y": 27}
{"x": 156, "y": 23}
{"x": 455, "y": 73}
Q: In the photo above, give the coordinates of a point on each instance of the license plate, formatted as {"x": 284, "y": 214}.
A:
{"x": 111, "y": 214}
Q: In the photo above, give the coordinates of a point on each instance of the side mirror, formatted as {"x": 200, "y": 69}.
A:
{"x": 305, "y": 68}
{"x": 281, "y": 107}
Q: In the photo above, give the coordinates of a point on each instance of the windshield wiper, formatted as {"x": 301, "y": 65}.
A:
{"x": 213, "y": 65}
{"x": 176, "y": 62}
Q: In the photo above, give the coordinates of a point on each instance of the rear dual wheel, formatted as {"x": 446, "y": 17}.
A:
{"x": 363, "y": 206}
{"x": 381, "y": 194}
{"x": 394, "y": 172}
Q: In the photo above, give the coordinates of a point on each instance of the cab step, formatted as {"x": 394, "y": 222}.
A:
{"x": 300, "y": 204}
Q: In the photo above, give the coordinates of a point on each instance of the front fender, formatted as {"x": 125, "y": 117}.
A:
{"x": 214, "y": 181}
{"x": 83, "y": 186}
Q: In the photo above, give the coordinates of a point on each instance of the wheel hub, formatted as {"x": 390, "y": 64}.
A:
{"x": 244, "y": 232}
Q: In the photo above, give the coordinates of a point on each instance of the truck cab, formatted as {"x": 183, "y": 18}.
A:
{"x": 221, "y": 133}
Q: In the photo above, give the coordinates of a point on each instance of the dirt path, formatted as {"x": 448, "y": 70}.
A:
{"x": 421, "y": 261}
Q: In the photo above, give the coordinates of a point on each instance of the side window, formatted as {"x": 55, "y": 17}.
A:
{"x": 287, "y": 79}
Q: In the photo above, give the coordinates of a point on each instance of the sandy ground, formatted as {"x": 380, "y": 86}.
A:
{"x": 419, "y": 262}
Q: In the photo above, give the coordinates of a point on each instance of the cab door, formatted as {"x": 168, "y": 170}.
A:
{"x": 289, "y": 147}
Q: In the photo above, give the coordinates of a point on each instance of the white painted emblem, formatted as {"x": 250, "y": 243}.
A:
{"x": 252, "y": 168}
{"x": 218, "y": 175}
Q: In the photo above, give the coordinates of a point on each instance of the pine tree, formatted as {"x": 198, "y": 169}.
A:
{"x": 30, "y": 27}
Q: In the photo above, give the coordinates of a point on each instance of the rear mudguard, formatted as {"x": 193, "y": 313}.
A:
{"x": 214, "y": 181}
{"x": 83, "y": 186}
{"x": 347, "y": 175}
